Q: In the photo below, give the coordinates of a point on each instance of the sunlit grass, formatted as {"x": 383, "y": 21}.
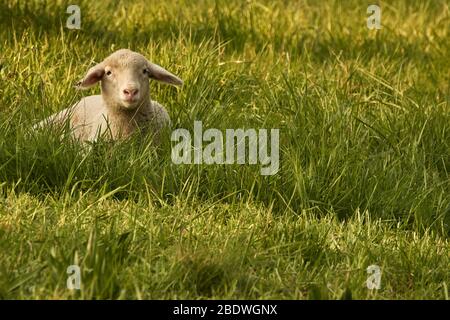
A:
{"x": 364, "y": 129}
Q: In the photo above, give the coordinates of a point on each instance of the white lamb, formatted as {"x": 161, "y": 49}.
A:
{"x": 124, "y": 105}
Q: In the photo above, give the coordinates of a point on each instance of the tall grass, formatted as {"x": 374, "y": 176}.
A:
{"x": 364, "y": 121}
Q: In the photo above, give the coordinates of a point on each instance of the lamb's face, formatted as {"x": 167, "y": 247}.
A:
{"x": 126, "y": 79}
{"x": 124, "y": 76}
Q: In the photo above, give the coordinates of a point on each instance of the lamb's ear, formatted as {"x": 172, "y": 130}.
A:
{"x": 94, "y": 75}
{"x": 160, "y": 74}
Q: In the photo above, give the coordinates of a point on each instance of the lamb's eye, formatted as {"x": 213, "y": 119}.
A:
{"x": 108, "y": 73}
{"x": 144, "y": 71}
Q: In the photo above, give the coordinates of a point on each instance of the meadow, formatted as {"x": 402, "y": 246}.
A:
{"x": 364, "y": 120}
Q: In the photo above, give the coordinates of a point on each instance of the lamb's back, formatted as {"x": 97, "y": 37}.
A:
{"x": 88, "y": 118}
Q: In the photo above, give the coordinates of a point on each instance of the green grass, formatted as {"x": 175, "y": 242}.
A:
{"x": 364, "y": 125}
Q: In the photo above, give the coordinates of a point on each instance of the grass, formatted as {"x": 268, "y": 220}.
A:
{"x": 364, "y": 125}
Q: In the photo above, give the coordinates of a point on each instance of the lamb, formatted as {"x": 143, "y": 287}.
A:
{"x": 124, "y": 105}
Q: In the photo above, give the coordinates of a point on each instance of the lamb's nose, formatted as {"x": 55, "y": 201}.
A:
{"x": 130, "y": 92}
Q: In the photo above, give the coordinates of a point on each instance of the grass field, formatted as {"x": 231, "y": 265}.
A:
{"x": 364, "y": 121}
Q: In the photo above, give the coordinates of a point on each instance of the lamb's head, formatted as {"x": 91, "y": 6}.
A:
{"x": 124, "y": 77}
